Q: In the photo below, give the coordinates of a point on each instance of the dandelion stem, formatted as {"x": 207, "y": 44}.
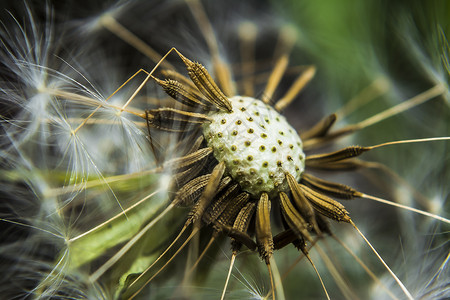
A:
{"x": 31, "y": 226}
{"x": 100, "y": 271}
{"x": 318, "y": 275}
{"x": 407, "y": 208}
{"x": 149, "y": 75}
{"x": 200, "y": 257}
{"x": 272, "y": 288}
{"x": 54, "y": 270}
{"x": 161, "y": 255}
{"x": 402, "y": 286}
{"x": 115, "y": 27}
{"x": 204, "y": 25}
{"x": 73, "y": 96}
{"x": 341, "y": 283}
{"x": 105, "y": 180}
{"x": 115, "y": 217}
{"x": 424, "y": 201}
{"x": 277, "y": 278}
{"x": 377, "y": 88}
{"x": 397, "y": 109}
{"x": 194, "y": 232}
{"x": 221, "y": 69}
{"x": 445, "y": 138}
{"x": 297, "y": 260}
{"x": 247, "y": 34}
{"x": 80, "y": 97}
{"x": 275, "y": 77}
{"x": 296, "y": 88}
{"x": 365, "y": 267}
{"x": 233, "y": 258}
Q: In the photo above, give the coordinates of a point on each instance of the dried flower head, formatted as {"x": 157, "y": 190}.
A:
{"x": 113, "y": 169}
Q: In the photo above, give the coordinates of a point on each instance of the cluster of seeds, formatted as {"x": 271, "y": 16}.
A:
{"x": 258, "y": 160}
{"x": 257, "y": 145}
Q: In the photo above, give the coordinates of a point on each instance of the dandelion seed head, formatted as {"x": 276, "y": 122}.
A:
{"x": 257, "y": 145}
{"x": 83, "y": 155}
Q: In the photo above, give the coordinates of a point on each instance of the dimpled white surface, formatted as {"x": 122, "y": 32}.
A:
{"x": 257, "y": 145}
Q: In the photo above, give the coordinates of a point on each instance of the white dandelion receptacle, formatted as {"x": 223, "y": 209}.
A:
{"x": 257, "y": 145}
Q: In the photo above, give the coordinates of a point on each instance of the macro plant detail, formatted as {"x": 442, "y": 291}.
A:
{"x": 144, "y": 183}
